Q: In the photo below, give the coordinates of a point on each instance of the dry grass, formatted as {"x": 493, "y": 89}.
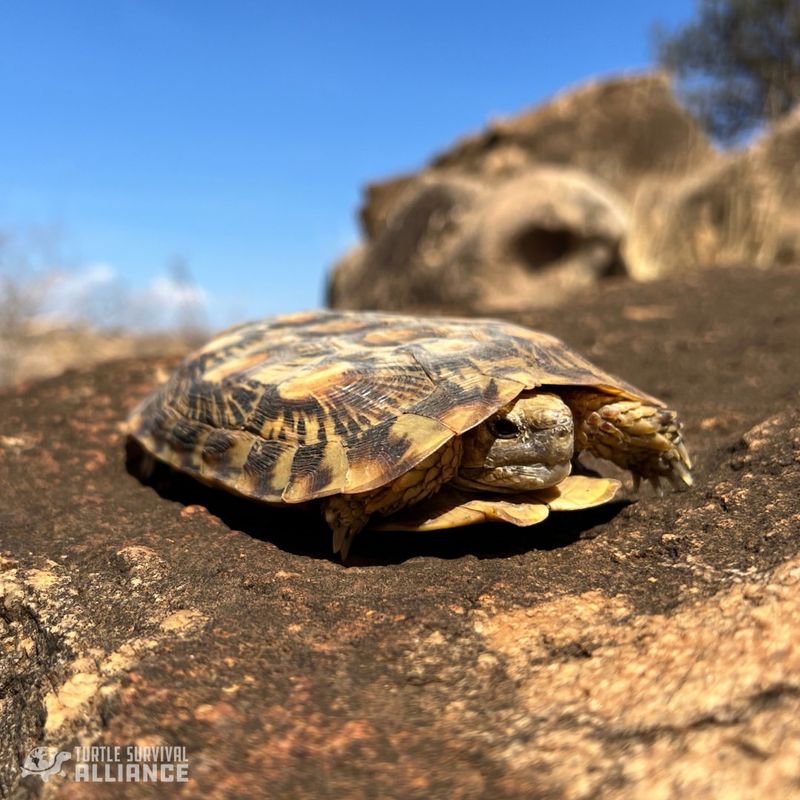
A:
{"x": 39, "y": 350}
{"x": 741, "y": 209}
{"x": 53, "y": 318}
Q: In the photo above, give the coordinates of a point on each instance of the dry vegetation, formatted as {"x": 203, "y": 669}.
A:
{"x": 40, "y": 350}
{"x": 104, "y": 323}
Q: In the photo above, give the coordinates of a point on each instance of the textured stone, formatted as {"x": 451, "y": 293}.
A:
{"x": 530, "y": 211}
{"x": 608, "y": 179}
{"x": 618, "y": 130}
{"x": 454, "y": 245}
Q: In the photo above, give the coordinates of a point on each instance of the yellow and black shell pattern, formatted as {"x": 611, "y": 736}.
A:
{"x": 300, "y": 407}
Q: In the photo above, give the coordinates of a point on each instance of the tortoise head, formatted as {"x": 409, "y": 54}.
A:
{"x": 526, "y": 445}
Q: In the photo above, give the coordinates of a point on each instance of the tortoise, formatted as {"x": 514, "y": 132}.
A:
{"x": 415, "y": 423}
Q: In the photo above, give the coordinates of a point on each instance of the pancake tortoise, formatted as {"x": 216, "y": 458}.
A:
{"x": 414, "y": 423}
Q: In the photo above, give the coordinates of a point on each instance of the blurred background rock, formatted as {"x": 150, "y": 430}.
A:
{"x": 613, "y": 179}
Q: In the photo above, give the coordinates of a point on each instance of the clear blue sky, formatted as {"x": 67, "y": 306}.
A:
{"x": 237, "y": 134}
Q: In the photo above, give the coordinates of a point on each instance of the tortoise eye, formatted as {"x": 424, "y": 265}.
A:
{"x": 503, "y": 428}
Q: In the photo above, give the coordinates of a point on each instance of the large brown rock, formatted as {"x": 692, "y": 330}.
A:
{"x": 550, "y": 202}
{"x": 678, "y": 205}
{"x": 619, "y": 130}
{"x": 647, "y": 650}
{"x": 454, "y": 244}
{"x": 410, "y": 264}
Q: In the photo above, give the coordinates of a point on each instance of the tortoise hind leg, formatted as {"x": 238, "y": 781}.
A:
{"x": 347, "y": 514}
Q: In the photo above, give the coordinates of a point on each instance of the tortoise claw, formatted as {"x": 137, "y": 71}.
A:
{"x": 684, "y": 457}
{"x": 342, "y": 541}
{"x": 680, "y": 470}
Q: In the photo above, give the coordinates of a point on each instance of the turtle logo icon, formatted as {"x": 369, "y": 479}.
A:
{"x": 44, "y": 762}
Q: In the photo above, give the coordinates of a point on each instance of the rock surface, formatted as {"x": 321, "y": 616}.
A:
{"x": 618, "y": 130}
{"x": 529, "y": 211}
{"x": 610, "y": 178}
{"x": 642, "y": 650}
{"x": 454, "y": 244}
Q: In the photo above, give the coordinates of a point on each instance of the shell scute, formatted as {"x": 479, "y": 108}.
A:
{"x": 267, "y": 469}
{"x": 391, "y": 448}
{"x": 318, "y": 470}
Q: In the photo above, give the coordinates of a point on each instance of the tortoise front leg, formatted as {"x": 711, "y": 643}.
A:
{"x": 634, "y": 435}
{"x": 347, "y": 514}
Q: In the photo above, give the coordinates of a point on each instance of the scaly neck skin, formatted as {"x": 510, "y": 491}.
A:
{"x": 527, "y": 445}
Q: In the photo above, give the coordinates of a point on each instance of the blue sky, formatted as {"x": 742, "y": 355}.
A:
{"x": 236, "y": 135}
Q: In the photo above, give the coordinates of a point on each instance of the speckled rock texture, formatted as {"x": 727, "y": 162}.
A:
{"x": 648, "y": 649}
